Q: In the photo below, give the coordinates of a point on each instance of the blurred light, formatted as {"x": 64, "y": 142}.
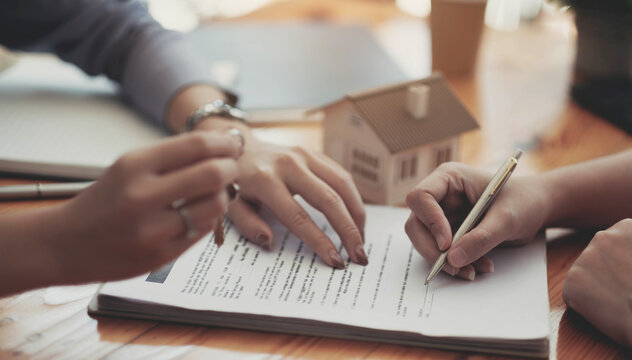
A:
{"x": 414, "y": 7}
{"x": 174, "y": 14}
{"x": 503, "y": 14}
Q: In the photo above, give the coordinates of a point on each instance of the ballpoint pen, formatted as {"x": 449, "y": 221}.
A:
{"x": 493, "y": 188}
{"x": 40, "y": 191}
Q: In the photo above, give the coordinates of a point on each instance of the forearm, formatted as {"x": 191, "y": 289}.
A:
{"x": 116, "y": 38}
{"x": 594, "y": 194}
{"x": 27, "y": 259}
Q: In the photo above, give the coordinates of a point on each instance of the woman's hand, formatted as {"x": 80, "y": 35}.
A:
{"x": 125, "y": 223}
{"x": 271, "y": 175}
{"x": 441, "y": 201}
{"x": 599, "y": 284}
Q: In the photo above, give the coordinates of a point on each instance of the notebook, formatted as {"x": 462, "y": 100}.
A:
{"x": 282, "y": 69}
{"x": 290, "y": 290}
{"x": 55, "y": 121}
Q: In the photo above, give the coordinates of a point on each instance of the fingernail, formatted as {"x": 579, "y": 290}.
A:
{"x": 362, "y": 234}
{"x": 468, "y": 273}
{"x": 449, "y": 269}
{"x": 458, "y": 257}
{"x": 232, "y": 190}
{"x": 336, "y": 260}
{"x": 441, "y": 241}
{"x": 361, "y": 255}
{"x": 264, "y": 241}
{"x": 487, "y": 267}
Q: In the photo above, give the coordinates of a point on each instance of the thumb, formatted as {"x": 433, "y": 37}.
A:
{"x": 490, "y": 232}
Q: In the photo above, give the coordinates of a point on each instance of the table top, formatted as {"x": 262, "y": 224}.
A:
{"x": 519, "y": 95}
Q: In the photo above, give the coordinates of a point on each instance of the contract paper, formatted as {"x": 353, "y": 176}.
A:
{"x": 388, "y": 294}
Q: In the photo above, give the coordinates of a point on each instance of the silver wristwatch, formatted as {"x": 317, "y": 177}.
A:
{"x": 216, "y": 108}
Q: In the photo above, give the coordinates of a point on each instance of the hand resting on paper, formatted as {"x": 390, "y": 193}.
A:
{"x": 599, "y": 284}
{"x": 124, "y": 224}
{"x": 270, "y": 175}
{"x": 441, "y": 201}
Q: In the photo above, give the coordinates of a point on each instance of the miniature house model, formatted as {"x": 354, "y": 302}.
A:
{"x": 391, "y": 137}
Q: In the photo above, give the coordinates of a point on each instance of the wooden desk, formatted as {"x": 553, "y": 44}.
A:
{"x": 520, "y": 97}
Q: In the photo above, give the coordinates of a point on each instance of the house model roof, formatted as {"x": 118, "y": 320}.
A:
{"x": 386, "y": 112}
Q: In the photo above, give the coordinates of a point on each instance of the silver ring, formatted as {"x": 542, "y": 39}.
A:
{"x": 192, "y": 232}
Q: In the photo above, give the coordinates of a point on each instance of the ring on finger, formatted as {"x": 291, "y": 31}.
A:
{"x": 180, "y": 208}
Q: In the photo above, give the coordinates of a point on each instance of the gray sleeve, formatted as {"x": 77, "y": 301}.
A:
{"x": 117, "y": 38}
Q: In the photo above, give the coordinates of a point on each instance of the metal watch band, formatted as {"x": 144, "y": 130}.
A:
{"x": 216, "y": 108}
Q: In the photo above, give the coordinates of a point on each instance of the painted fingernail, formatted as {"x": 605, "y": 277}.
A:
{"x": 336, "y": 260}
{"x": 458, "y": 257}
{"x": 361, "y": 255}
{"x": 232, "y": 190}
{"x": 264, "y": 241}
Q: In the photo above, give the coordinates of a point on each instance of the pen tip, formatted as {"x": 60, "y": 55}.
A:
{"x": 517, "y": 154}
{"x": 426, "y": 282}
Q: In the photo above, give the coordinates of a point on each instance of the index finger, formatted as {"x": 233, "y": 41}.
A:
{"x": 424, "y": 200}
{"x": 296, "y": 219}
{"x": 183, "y": 150}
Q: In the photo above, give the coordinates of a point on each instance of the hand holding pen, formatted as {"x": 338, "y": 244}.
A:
{"x": 442, "y": 202}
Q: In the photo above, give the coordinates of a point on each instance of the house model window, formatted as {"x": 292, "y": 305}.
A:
{"x": 391, "y": 137}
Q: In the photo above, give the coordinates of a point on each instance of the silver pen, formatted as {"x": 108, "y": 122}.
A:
{"x": 40, "y": 191}
{"x": 493, "y": 188}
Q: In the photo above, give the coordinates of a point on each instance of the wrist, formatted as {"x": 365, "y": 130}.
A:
{"x": 555, "y": 204}
{"x": 28, "y": 255}
{"x": 187, "y": 101}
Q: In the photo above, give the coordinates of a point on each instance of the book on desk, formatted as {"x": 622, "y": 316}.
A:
{"x": 290, "y": 290}
{"x": 58, "y": 122}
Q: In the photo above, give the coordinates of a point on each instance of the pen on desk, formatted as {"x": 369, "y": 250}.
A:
{"x": 40, "y": 191}
{"x": 493, "y": 188}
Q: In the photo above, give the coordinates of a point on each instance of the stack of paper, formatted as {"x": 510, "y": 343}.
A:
{"x": 290, "y": 290}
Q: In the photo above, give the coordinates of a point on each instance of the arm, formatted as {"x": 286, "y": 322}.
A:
{"x": 112, "y": 37}
{"x": 593, "y": 194}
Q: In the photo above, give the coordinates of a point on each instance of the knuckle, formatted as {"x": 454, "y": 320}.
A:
{"x": 125, "y": 163}
{"x": 288, "y": 160}
{"x": 508, "y": 216}
{"x": 450, "y": 167}
{"x": 300, "y": 218}
{"x": 212, "y": 173}
{"x": 264, "y": 177}
{"x": 199, "y": 143}
{"x": 300, "y": 150}
{"x": 330, "y": 199}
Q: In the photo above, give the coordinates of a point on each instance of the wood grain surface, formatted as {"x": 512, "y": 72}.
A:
{"x": 519, "y": 95}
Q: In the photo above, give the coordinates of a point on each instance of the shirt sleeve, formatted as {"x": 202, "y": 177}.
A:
{"x": 117, "y": 38}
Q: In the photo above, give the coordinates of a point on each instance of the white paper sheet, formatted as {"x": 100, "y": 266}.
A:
{"x": 290, "y": 281}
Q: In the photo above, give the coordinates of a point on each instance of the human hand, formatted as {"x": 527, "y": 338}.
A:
{"x": 599, "y": 285}
{"x": 270, "y": 175}
{"x": 442, "y": 200}
{"x": 125, "y": 225}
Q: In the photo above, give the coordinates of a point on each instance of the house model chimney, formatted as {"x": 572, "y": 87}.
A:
{"x": 417, "y": 98}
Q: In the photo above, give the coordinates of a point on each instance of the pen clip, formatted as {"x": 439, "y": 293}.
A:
{"x": 504, "y": 177}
